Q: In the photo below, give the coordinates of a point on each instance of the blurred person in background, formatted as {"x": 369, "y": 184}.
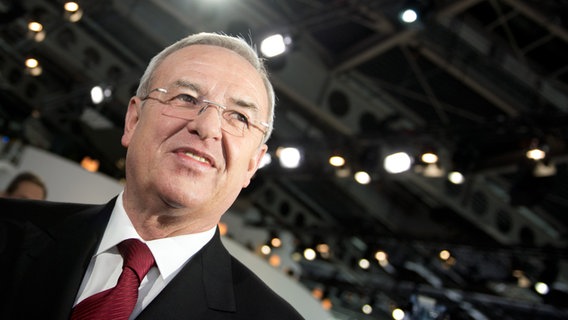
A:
{"x": 26, "y": 185}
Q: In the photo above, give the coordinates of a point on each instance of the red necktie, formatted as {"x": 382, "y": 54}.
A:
{"x": 118, "y": 302}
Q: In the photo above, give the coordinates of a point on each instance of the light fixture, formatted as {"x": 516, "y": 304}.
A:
{"x": 289, "y": 157}
{"x": 36, "y": 31}
{"x": 100, "y": 94}
{"x": 336, "y": 161}
{"x": 444, "y": 254}
{"x": 90, "y": 164}
{"x": 323, "y": 250}
{"x": 275, "y": 260}
{"x": 364, "y": 264}
{"x": 409, "y": 15}
{"x": 413, "y": 11}
{"x": 537, "y": 150}
{"x": 536, "y": 153}
{"x": 35, "y": 26}
{"x": 275, "y": 242}
{"x": 456, "y": 177}
{"x": 398, "y": 314}
{"x": 397, "y": 162}
{"x": 542, "y": 288}
{"x": 367, "y": 308}
{"x": 274, "y": 45}
{"x": 32, "y": 63}
{"x": 73, "y": 12}
{"x": 326, "y": 304}
{"x": 539, "y": 153}
{"x": 381, "y": 255}
{"x": 33, "y": 67}
{"x": 429, "y": 157}
{"x": 362, "y": 177}
{"x": 310, "y": 254}
{"x": 265, "y": 249}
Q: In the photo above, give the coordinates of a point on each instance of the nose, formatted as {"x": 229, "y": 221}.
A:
{"x": 207, "y": 124}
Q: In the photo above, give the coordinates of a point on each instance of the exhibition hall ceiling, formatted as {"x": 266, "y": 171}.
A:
{"x": 480, "y": 82}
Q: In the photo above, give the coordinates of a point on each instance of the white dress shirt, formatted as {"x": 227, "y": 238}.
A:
{"x": 171, "y": 254}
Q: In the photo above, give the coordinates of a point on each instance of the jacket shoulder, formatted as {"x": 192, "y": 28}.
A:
{"x": 38, "y": 212}
{"x": 259, "y": 300}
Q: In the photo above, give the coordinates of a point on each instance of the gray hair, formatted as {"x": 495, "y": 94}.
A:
{"x": 235, "y": 44}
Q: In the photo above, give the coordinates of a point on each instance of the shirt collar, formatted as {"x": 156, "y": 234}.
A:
{"x": 170, "y": 253}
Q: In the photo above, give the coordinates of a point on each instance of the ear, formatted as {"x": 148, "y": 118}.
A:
{"x": 131, "y": 120}
{"x": 254, "y": 163}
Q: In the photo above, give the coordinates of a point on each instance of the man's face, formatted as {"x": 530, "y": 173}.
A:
{"x": 193, "y": 164}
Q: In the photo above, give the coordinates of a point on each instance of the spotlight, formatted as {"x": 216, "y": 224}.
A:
{"x": 429, "y": 157}
{"x": 397, "y": 162}
{"x": 542, "y": 288}
{"x": 310, "y": 254}
{"x": 35, "y": 26}
{"x": 73, "y": 11}
{"x": 456, "y": 177}
{"x": 274, "y": 45}
{"x": 409, "y": 15}
{"x": 367, "y": 309}
{"x": 536, "y": 154}
{"x": 32, "y": 63}
{"x": 537, "y": 150}
{"x": 364, "y": 264}
{"x": 362, "y": 177}
{"x": 100, "y": 94}
{"x": 398, "y": 314}
{"x": 413, "y": 11}
{"x": 36, "y": 30}
{"x": 336, "y": 161}
{"x": 289, "y": 157}
{"x": 33, "y": 67}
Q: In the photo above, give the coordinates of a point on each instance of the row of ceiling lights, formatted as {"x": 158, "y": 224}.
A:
{"x": 427, "y": 164}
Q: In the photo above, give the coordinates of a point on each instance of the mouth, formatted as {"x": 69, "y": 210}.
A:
{"x": 196, "y": 157}
{"x": 203, "y": 158}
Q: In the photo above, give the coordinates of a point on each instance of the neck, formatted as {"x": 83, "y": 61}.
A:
{"x": 159, "y": 220}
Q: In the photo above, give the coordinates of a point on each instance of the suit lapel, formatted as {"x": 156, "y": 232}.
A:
{"x": 204, "y": 285}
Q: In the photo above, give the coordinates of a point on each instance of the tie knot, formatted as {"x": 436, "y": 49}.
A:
{"x": 137, "y": 256}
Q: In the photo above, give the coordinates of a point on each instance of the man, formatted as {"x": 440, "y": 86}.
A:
{"x": 195, "y": 134}
{"x": 26, "y": 185}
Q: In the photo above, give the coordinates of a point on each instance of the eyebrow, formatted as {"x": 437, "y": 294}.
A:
{"x": 188, "y": 85}
{"x": 232, "y": 101}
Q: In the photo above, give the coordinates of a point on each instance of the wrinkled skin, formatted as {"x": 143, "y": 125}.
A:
{"x": 169, "y": 191}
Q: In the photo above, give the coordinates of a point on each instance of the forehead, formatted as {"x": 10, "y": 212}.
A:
{"x": 27, "y": 187}
{"x": 219, "y": 73}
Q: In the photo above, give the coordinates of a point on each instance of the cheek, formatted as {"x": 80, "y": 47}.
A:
{"x": 242, "y": 161}
{"x": 237, "y": 157}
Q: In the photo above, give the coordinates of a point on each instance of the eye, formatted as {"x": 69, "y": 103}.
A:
{"x": 233, "y": 115}
{"x": 186, "y": 100}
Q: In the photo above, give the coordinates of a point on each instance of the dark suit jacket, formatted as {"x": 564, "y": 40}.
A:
{"x": 45, "y": 248}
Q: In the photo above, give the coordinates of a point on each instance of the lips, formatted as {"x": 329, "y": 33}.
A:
{"x": 198, "y": 156}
